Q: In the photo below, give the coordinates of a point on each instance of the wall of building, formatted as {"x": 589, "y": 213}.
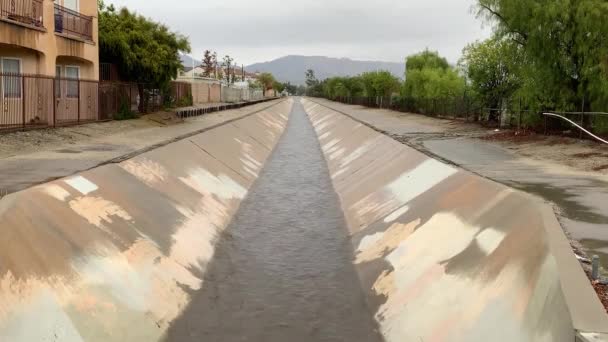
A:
{"x": 51, "y": 45}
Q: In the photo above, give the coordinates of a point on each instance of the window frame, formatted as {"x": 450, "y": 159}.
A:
{"x": 58, "y": 93}
{"x": 19, "y": 76}
{"x": 62, "y": 4}
{"x": 71, "y": 80}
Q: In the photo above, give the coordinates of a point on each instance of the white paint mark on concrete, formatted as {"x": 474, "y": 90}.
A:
{"x": 425, "y": 176}
{"x": 83, "y": 185}
{"x": 489, "y": 239}
{"x": 369, "y": 241}
{"x": 396, "y": 214}
{"x": 222, "y": 186}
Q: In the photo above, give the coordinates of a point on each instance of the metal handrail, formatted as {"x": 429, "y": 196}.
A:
{"x": 577, "y": 125}
{"x": 24, "y": 11}
{"x": 72, "y": 22}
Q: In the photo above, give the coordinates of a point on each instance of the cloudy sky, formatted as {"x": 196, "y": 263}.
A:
{"x": 262, "y": 30}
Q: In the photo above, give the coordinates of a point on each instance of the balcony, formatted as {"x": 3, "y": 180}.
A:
{"x": 27, "y": 12}
{"x": 72, "y": 23}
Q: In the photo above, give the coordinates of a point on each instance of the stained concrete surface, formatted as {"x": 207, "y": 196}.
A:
{"x": 94, "y": 146}
{"x": 112, "y": 253}
{"x": 283, "y": 271}
{"x": 447, "y": 255}
{"x": 581, "y": 198}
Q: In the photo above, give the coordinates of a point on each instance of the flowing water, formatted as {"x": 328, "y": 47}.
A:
{"x": 283, "y": 271}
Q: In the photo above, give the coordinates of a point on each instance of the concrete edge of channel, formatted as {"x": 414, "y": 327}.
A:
{"x": 589, "y": 318}
{"x": 133, "y": 154}
{"x": 587, "y": 312}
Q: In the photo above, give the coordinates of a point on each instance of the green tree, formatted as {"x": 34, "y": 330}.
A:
{"x": 266, "y": 80}
{"x": 379, "y": 83}
{"x": 291, "y": 89}
{"x": 429, "y": 76}
{"x": 301, "y": 90}
{"x": 278, "y": 86}
{"x": 143, "y": 50}
{"x": 314, "y": 87}
{"x": 227, "y": 64}
{"x": 565, "y": 44}
{"x": 426, "y": 59}
{"x": 218, "y": 71}
{"x": 311, "y": 79}
{"x": 493, "y": 69}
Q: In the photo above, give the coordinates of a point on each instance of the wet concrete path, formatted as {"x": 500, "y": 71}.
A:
{"x": 283, "y": 272}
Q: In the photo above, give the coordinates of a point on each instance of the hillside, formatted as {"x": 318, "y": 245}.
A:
{"x": 293, "y": 68}
{"x": 188, "y": 61}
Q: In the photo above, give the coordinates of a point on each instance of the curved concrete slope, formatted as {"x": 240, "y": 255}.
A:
{"x": 449, "y": 256}
{"x": 114, "y": 253}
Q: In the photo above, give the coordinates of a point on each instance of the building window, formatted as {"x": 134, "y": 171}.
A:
{"x": 11, "y": 77}
{"x": 69, "y": 4}
{"x": 58, "y": 74}
{"x": 72, "y": 73}
{"x": 66, "y": 81}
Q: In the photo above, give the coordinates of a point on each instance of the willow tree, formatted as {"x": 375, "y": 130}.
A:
{"x": 430, "y": 76}
{"x": 565, "y": 43}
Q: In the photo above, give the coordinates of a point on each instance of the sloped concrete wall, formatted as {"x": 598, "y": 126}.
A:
{"x": 449, "y": 256}
{"x": 115, "y": 253}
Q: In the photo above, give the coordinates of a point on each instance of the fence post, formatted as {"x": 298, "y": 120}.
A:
{"x": 54, "y": 102}
{"x": 78, "y": 121}
{"x": 582, "y": 119}
{"x": 519, "y": 120}
{"x": 23, "y": 99}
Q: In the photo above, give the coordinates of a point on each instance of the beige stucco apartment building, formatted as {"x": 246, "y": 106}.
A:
{"x": 46, "y": 37}
{"x": 49, "y": 62}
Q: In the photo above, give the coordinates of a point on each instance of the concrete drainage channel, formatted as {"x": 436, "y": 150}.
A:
{"x": 449, "y": 256}
{"x": 120, "y": 252}
{"x": 189, "y": 112}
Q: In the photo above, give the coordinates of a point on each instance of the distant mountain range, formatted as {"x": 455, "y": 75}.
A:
{"x": 187, "y": 61}
{"x": 293, "y": 68}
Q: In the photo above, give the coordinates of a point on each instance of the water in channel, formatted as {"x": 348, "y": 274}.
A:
{"x": 283, "y": 270}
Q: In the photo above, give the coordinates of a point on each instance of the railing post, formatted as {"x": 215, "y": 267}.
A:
{"x": 78, "y": 101}
{"x": 54, "y": 102}
{"x": 519, "y": 120}
{"x": 22, "y": 98}
{"x": 582, "y": 119}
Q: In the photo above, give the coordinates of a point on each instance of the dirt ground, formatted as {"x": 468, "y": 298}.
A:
{"x": 24, "y": 142}
{"x": 583, "y": 155}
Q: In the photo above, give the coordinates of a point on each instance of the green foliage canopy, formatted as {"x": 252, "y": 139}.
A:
{"x": 143, "y": 50}
{"x": 565, "y": 43}
{"x": 429, "y": 76}
{"x": 493, "y": 69}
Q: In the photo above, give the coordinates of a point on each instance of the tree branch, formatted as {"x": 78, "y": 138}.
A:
{"x": 504, "y": 21}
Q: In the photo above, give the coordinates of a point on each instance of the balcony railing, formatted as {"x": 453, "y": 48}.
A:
{"x": 24, "y": 11}
{"x": 73, "y": 23}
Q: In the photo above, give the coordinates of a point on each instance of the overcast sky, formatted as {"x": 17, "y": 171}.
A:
{"x": 261, "y": 30}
